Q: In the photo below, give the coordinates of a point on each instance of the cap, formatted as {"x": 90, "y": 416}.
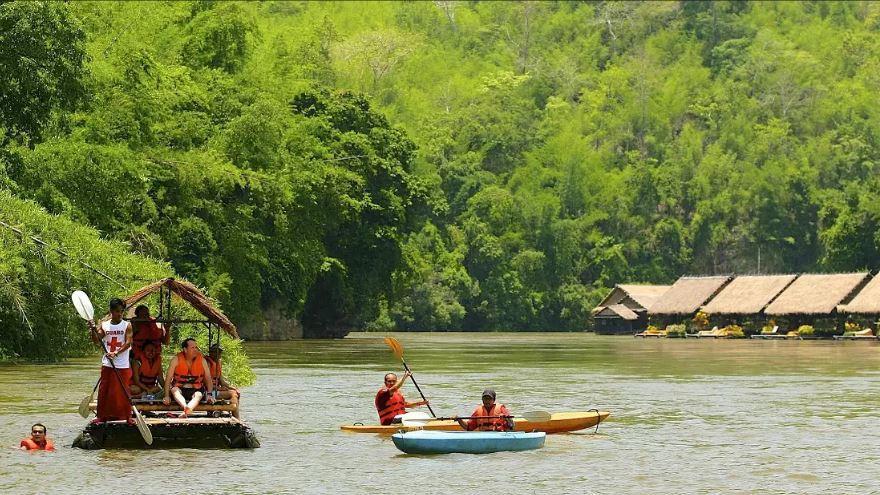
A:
{"x": 489, "y": 392}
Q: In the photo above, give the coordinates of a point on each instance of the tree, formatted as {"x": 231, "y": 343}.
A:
{"x": 42, "y": 65}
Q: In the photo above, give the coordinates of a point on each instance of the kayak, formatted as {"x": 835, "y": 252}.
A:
{"x": 558, "y": 423}
{"x": 467, "y": 442}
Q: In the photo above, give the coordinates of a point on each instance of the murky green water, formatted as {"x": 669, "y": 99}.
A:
{"x": 687, "y": 417}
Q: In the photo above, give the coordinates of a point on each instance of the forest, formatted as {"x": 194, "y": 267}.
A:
{"x": 425, "y": 166}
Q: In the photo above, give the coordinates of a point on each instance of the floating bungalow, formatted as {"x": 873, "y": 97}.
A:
{"x": 625, "y": 309}
{"x": 816, "y": 296}
{"x": 747, "y": 296}
{"x": 686, "y": 296}
{"x": 210, "y": 425}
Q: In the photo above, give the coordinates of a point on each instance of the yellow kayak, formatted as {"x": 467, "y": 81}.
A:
{"x": 558, "y": 423}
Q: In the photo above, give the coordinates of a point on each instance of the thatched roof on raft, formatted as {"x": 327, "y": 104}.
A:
{"x": 632, "y": 296}
{"x": 687, "y": 294}
{"x": 867, "y": 301}
{"x": 748, "y": 294}
{"x": 816, "y": 294}
{"x": 189, "y": 293}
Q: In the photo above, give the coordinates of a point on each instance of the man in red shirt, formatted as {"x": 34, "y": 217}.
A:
{"x": 390, "y": 402}
{"x": 489, "y": 416}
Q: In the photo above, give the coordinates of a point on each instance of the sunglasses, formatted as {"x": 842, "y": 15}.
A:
{"x": 38, "y": 431}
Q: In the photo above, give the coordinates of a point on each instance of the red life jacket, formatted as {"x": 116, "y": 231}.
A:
{"x": 148, "y": 373}
{"x": 185, "y": 375}
{"x": 389, "y": 405}
{"x": 216, "y": 368}
{"x": 143, "y": 332}
{"x": 489, "y": 424}
{"x": 32, "y": 445}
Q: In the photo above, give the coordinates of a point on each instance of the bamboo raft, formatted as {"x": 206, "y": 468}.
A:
{"x": 193, "y": 432}
{"x": 209, "y": 425}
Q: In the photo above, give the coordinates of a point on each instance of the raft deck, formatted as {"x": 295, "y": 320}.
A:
{"x": 200, "y": 430}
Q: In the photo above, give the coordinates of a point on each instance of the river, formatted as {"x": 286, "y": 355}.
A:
{"x": 687, "y": 416}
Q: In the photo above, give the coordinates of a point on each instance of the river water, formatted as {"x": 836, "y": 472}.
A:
{"x": 688, "y": 416}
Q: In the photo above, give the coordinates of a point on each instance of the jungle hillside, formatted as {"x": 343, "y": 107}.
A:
{"x": 319, "y": 168}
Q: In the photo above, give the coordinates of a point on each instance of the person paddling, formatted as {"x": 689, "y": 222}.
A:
{"x": 190, "y": 376}
{"x": 486, "y": 417}
{"x": 113, "y": 403}
{"x": 390, "y": 402}
{"x": 37, "y": 440}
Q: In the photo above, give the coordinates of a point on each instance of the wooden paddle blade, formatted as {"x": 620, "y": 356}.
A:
{"x": 142, "y": 426}
{"x": 84, "y": 409}
{"x": 395, "y": 346}
{"x": 83, "y": 305}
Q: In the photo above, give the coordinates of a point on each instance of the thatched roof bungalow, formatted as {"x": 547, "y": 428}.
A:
{"x": 866, "y": 302}
{"x": 687, "y": 295}
{"x": 817, "y": 294}
{"x": 748, "y": 294}
{"x": 624, "y": 309}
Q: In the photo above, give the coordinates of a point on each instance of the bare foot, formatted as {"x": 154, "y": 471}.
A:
{"x": 186, "y": 412}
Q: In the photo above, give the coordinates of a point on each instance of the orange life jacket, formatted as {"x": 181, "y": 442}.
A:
{"x": 489, "y": 424}
{"x": 184, "y": 374}
{"x": 148, "y": 373}
{"x": 216, "y": 368}
{"x": 143, "y": 332}
{"x": 390, "y": 407}
{"x": 32, "y": 445}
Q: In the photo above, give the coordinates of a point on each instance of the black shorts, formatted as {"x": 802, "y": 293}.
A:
{"x": 189, "y": 392}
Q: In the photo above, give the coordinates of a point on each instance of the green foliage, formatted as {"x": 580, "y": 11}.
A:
{"x": 449, "y": 165}
{"x": 806, "y": 330}
{"x": 676, "y": 331}
{"x": 42, "y": 56}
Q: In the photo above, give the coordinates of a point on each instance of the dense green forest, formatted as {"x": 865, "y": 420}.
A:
{"x": 442, "y": 165}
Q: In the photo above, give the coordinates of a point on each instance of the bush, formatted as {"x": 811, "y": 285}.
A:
{"x": 675, "y": 330}
{"x": 851, "y": 327}
{"x": 701, "y": 320}
{"x": 734, "y": 332}
{"x": 806, "y": 330}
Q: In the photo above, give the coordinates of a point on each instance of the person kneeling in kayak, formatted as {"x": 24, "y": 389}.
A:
{"x": 191, "y": 378}
{"x": 489, "y": 416}
{"x": 390, "y": 402}
{"x": 37, "y": 440}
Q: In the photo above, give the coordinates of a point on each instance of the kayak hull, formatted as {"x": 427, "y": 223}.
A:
{"x": 558, "y": 423}
{"x": 467, "y": 442}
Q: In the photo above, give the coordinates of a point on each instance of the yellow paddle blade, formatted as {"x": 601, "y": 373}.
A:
{"x": 395, "y": 346}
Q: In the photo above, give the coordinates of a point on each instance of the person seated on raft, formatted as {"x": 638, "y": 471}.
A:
{"x": 390, "y": 402}
{"x": 147, "y": 372}
{"x": 37, "y": 440}
{"x": 188, "y": 378}
{"x": 489, "y": 416}
{"x": 224, "y": 389}
{"x": 146, "y": 329}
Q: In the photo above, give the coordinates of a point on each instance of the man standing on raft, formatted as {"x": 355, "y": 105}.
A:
{"x": 113, "y": 403}
{"x": 390, "y": 402}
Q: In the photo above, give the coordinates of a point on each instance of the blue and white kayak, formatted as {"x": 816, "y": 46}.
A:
{"x": 466, "y": 442}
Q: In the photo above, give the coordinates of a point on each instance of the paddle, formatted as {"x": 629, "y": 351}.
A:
{"x": 87, "y": 312}
{"x": 397, "y": 349}
{"x": 84, "y": 409}
{"x": 533, "y": 416}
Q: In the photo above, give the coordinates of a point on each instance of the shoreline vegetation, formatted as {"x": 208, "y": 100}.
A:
{"x": 445, "y": 165}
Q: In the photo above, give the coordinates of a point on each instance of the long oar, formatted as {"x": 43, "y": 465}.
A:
{"x": 87, "y": 312}
{"x": 84, "y": 409}
{"x": 397, "y": 349}
{"x": 532, "y": 416}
